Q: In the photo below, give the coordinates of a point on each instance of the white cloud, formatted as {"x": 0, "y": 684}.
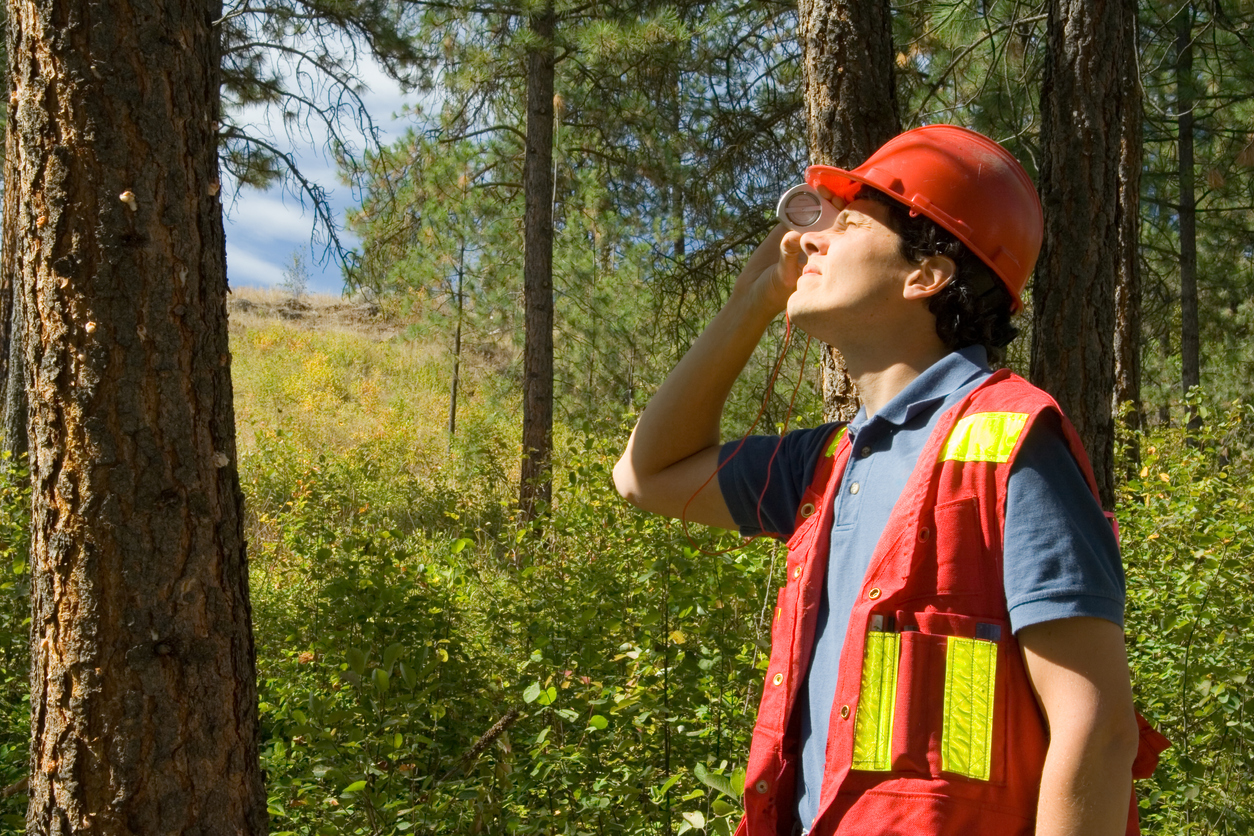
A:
{"x": 280, "y": 216}
{"x": 245, "y": 269}
{"x": 263, "y": 228}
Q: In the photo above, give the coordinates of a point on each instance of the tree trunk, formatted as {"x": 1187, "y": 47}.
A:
{"x": 537, "y": 436}
{"x": 1186, "y": 98}
{"x": 457, "y": 344}
{"x": 1127, "y": 399}
{"x": 1090, "y": 59}
{"x": 851, "y": 110}
{"x": 144, "y": 701}
{"x": 12, "y": 375}
{"x": 14, "y": 440}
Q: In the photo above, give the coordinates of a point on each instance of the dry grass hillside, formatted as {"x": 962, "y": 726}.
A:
{"x": 254, "y": 307}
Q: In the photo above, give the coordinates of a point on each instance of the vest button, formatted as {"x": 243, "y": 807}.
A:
{"x": 874, "y": 593}
{"x": 761, "y": 787}
{"x": 925, "y": 534}
{"x": 844, "y": 712}
{"x": 866, "y": 451}
{"x": 796, "y": 573}
{"x": 853, "y": 488}
{"x": 807, "y": 509}
{"x": 778, "y": 679}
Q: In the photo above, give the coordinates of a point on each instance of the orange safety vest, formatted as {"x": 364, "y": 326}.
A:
{"x": 935, "y": 729}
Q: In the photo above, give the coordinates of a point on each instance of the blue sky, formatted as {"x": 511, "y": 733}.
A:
{"x": 264, "y": 228}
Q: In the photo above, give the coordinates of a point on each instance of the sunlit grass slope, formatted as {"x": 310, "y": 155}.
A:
{"x": 337, "y": 386}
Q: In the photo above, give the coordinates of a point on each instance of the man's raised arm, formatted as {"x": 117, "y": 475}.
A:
{"x": 673, "y": 450}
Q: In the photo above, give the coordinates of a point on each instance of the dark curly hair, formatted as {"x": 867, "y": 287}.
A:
{"x": 975, "y": 307}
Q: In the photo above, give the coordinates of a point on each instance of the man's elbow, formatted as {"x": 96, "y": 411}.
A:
{"x": 626, "y": 480}
{"x": 1114, "y": 740}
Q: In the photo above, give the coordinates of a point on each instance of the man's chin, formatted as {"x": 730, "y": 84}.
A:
{"x": 817, "y": 324}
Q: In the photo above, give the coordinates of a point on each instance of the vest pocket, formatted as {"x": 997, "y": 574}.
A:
{"x": 960, "y": 566}
{"x": 918, "y": 712}
{"x": 950, "y": 710}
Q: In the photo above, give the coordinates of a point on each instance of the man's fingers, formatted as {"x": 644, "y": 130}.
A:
{"x": 790, "y": 244}
{"x": 791, "y": 259}
{"x": 831, "y": 197}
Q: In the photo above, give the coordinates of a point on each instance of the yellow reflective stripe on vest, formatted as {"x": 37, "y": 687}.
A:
{"x": 967, "y": 732}
{"x": 984, "y": 437}
{"x": 873, "y": 728}
{"x": 831, "y": 448}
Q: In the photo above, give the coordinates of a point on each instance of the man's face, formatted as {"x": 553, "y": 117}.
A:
{"x": 854, "y": 274}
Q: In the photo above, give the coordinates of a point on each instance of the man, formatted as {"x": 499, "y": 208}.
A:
{"x": 947, "y": 654}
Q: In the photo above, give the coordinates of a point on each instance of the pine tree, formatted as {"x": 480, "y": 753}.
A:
{"x": 144, "y": 701}
{"x": 1088, "y": 73}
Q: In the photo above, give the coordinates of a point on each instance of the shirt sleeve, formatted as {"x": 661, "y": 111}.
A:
{"x": 763, "y": 478}
{"x": 1061, "y": 559}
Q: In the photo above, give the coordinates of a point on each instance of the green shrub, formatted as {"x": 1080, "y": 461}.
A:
{"x": 1186, "y": 520}
{"x": 14, "y": 638}
{"x": 633, "y": 662}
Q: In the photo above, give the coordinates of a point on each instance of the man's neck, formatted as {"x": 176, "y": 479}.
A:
{"x": 880, "y": 379}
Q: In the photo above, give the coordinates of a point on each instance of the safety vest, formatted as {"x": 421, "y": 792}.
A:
{"x": 935, "y": 730}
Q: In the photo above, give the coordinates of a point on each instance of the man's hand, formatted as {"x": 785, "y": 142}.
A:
{"x": 770, "y": 275}
{"x": 1079, "y": 670}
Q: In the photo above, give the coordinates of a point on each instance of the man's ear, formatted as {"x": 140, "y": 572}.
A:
{"x": 932, "y": 274}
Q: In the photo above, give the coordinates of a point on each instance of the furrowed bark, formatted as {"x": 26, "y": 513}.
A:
{"x": 144, "y": 701}
{"x": 1090, "y": 61}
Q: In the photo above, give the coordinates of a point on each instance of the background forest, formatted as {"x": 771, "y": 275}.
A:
{"x": 434, "y": 659}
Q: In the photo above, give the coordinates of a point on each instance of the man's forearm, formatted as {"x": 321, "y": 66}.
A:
{"x": 683, "y": 417}
{"x": 672, "y": 456}
{"x": 1085, "y": 791}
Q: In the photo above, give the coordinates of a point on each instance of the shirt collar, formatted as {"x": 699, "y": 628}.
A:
{"x": 938, "y": 381}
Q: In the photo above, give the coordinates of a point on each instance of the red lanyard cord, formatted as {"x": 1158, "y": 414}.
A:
{"x": 770, "y": 390}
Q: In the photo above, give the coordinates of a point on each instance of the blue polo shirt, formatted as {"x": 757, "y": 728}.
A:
{"x": 1061, "y": 559}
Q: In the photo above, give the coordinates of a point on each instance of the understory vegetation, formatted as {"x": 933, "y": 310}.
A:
{"x": 427, "y": 664}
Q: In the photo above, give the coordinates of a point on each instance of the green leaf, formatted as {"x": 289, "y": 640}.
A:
{"x": 598, "y": 722}
{"x": 460, "y": 545}
{"x": 532, "y": 692}
{"x": 407, "y": 673}
{"x": 714, "y": 781}
{"x": 356, "y": 786}
{"x": 695, "y": 818}
{"x": 356, "y": 660}
{"x": 548, "y": 697}
{"x": 392, "y": 653}
{"x": 381, "y": 680}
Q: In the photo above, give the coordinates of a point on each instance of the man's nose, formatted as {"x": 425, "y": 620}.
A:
{"x": 812, "y": 243}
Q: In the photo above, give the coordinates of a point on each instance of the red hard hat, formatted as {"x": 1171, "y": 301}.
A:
{"x": 963, "y": 181}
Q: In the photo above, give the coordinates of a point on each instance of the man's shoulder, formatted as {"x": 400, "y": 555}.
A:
{"x": 1011, "y": 392}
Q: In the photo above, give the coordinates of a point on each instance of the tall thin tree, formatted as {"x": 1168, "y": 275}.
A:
{"x": 1186, "y": 98}
{"x": 536, "y": 485}
{"x": 851, "y": 109}
{"x": 144, "y": 701}
{"x": 1088, "y": 69}
{"x": 1127, "y": 395}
